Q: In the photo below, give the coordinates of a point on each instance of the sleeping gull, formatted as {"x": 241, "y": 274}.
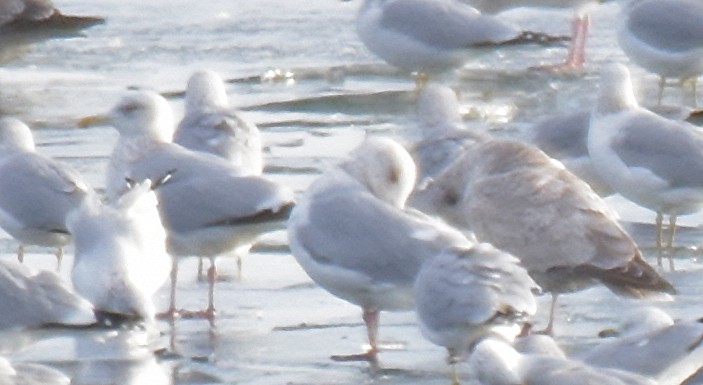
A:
{"x": 444, "y": 136}
{"x": 36, "y": 192}
{"x": 664, "y": 37}
{"x": 207, "y": 207}
{"x": 517, "y": 198}
{"x": 431, "y": 36}
{"x": 496, "y": 362}
{"x": 467, "y": 293}
{"x": 27, "y": 373}
{"x": 655, "y": 162}
{"x": 120, "y": 258}
{"x": 210, "y": 125}
{"x": 650, "y": 343}
{"x": 579, "y": 30}
{"x": 34, "y": 299}
{"x": 353, "y": 236}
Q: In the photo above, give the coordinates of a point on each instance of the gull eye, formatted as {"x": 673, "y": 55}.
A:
{"x": 129, "y": 108}
{"x": 393, "y": 175}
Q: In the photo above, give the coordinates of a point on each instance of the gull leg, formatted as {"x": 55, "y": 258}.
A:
{"x": 172, "y": 312}
{"x": 239, "y": 267}
{"x": 453, "y": 358}
{"x": 20, "y": 253}
{"x": 549, "y": 330}
{"x": 577, "y": 51}
{"x": 660, "y": 95}
{"x": 371, "y": 319}
{"x": 695, "y": 91}
{"x": 200, "y": 269}
{"x": 455, "y": 375}
{"x": 211, "y": 277}
{"x": 576, "y": 56}
{"x": 59, "y": 258}
{"x": 659, "y": 230}
{"x": 670, "y": 240}
{"x": 421, "y": 80}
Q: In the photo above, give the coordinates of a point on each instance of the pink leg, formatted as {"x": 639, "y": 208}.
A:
{"x": 371, "y": 319}
{"x": 172, "y": 311}
{"x": 577, "y": 56}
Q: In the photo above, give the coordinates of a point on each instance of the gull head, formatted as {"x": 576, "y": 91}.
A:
{"x": 385, "y": 168}
{"x": 494, "y": 361}
{"x": 438, "y": 109}
{"x": 143, "y": 114}
{"x": 616, "y": 92}
{"x": 15, "y": 135}
{"x": 205, "y": 91}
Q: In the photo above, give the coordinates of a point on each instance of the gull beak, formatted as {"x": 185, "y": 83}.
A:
{"x": 93, "y": 120}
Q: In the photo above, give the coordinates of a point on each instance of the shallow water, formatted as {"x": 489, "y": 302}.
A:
{"x": 302, "y": 75}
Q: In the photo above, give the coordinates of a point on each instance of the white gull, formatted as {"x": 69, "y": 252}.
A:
{"x": 655, "y": 162}
{"x": 36, "y": 192}
{"x": 207, "y": 207}
{"x": 465, "y": 294}
{"x": 120, "y": 259}
{"x": 210, "y": 125}
{"x": 664, "y": 37}
{"x": 354, "y": 237}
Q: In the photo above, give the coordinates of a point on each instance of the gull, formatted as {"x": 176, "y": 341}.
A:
{"x": 27, "y": 373}
{"x": 514, "y": 196}
{"x": 354, "y": 237}
{"x": 465, "y": 294}
{"x": 207, "y": 207}
{"x": 650, "y": 343}
{"x": 27, "y": 21}
{"x": 652, "y": 161}
{"x": 444, "y": 137}
{"x": 211, "y": 126}
{"x": 565, "y": 137}
{"x": 496, "y": 362}
{"x": 120, "y": 259}
{"x": 579, "y": 29}
{"x": 39, "y": 298}
{"x": 36, "y": 192}
{"x": 517, "y": 198}
{"x": 431, "y": 36}
{"x": 664, "y": 37}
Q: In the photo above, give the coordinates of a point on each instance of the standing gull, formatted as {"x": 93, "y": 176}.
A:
{"x": 36, "y": 192}
{"x": 207, "y": 207}
{"x": 465, "y": 294}
{"x": 431, "y": 36}
{"x": 520, "y": 200}
{"x": 353, "y": 236}
{"x": 664, "y": 37}
{"x": 121, "y": 259}
{"x": 211, "y": 126}
{"x": 653, "y": 161}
